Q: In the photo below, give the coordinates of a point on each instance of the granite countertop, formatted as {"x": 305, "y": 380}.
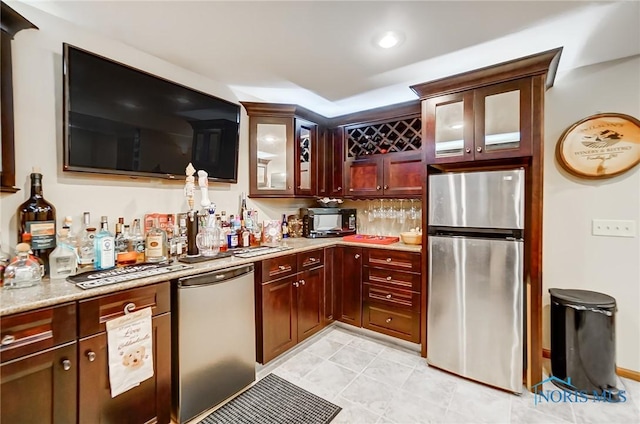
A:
{"x": 53, "y": 292}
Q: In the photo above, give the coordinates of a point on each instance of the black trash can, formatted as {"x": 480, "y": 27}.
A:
{"x": 583, "y": 342}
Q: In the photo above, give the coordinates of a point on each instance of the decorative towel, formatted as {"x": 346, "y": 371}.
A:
{"x": 129, "y": 343}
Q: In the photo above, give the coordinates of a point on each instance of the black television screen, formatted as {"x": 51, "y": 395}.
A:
{"x": 119, "y": 120}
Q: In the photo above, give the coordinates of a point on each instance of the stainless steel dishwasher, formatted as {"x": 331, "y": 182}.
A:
{"x": 213, "y": 339}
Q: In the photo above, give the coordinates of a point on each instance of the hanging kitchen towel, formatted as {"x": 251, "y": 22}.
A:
{"x": 129, "y": 344}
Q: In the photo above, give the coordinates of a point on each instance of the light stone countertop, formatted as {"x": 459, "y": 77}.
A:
{"x": 54, "y": 292}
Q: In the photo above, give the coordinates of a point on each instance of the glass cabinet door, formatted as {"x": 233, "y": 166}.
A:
{"x": 449, "y": 122}
{"x": 271, "y": 164}
{"x": 306, "y": 148}
{"x": 503, "y": 120}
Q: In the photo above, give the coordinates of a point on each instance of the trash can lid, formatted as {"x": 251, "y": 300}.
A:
{"x": 582, "y": 297}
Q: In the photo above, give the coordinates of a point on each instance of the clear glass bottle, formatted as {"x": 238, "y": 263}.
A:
{"x": 38, "y": 217}
{"x": 23, "y": 271}
{"x": 125, "y": 254}
{"x": 104, "y": 246}
{"x": 26, "y": 238}
{"x": 63, "y": 261}
{"x": 138, "y": 242}
{"x": 156, "y": 244}
{"x": 87, "y": 250}
{"x": 71, "y": 239}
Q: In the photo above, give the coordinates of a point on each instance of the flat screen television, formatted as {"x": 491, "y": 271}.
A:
{"x": 120, "y": 120}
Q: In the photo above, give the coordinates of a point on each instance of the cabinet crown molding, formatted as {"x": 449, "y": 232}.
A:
{"x": 541, "y": 63}
{"x": 12, "y": 22}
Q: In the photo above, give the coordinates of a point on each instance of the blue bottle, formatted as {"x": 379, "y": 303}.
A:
{"x": 104, "y": 244}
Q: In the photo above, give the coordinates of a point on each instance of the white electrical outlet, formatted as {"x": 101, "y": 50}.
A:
{"x": 614, "y": 228}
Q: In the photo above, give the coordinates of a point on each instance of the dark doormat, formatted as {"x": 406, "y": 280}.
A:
{"x": 273, "y": 400}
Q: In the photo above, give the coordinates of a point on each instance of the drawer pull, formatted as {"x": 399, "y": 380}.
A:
{"x": 8, "y": 339}
{"x": 284, "y": 268}
{"x": 66, "y": 364}
{"x": 388, "y": 320}
{"x": 312, "y": 259}
{"x": 388, "y": 260}
{"x": 129, "y": 307}
{"x": 389, "y": 278}
{"x": 91, "y": 356}
{"x": 357, "y": 256}
{"x": 389, "y": 296}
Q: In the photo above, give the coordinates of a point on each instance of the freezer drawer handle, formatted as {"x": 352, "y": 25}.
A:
{"x": 388, "y": 320}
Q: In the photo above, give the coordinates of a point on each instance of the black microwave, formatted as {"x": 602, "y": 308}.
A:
{"x": 328, "y": 222}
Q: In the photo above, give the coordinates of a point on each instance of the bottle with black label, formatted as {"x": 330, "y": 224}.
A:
{"x": 37, "y": 217}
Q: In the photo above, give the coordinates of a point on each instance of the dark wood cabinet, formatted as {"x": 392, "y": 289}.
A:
{"x": 283, "y": 150}
{"x": 38, "y": 366}
{"x": 492, "y": 122}
{"x": 290, "y": 301}
{"x": 151, "y": 400}
{"x": 348, "y": 264}
{"x": 392, "y": 293}
{"x": 389, "y": 175}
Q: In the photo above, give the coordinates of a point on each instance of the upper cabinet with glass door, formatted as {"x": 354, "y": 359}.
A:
{"x": 486, "y": 123}
{"x": 282, "y": 151}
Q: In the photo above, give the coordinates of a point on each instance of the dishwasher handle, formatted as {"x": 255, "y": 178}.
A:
{"x": 215, "y": 276}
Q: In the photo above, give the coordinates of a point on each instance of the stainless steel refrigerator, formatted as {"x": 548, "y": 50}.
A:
{"x": 475, "y": 276}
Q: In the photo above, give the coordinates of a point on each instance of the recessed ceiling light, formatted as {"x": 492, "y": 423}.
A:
{"x": 389, "y": 39}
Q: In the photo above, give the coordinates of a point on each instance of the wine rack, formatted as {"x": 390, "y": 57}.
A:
{"x": 384, "y": 137}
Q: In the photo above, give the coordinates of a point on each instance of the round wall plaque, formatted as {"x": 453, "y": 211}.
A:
{"x": 600, "y": 146}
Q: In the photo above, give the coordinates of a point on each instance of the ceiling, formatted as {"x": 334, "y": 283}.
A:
{"x": 321, "y": 55}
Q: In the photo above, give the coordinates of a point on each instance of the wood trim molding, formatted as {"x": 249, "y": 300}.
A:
{"x": 536, "y": 64}
{"x": 622, "y": 372}
{"x": 378, "y": 114}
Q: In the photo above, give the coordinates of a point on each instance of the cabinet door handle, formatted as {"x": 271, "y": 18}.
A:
{"x": 66, "y": 364}
{"x": 388, "y": 320}
{"x": 388, "y": 259}
{"x": 378, "y": 187}
{"x": 338, "y": 189}
{"x": 8, "y": 339}
{"x": 468, "y": 150}
{"x": 386, "y": 187}
{"x": 389, "y": 278}
{"x": 478, "y": 149}
{"x": 129, "y": 307}
{"x": 357, "y": 256}
{"x": 91, "y": 356}
{"x": 389, "y": 296}
{"x": 296, "y": 284}
{"x": 302, "y": 282}
{"x": 288, "y": 187}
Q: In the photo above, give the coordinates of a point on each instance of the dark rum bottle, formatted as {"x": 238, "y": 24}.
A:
{"x": 37, "y": 217}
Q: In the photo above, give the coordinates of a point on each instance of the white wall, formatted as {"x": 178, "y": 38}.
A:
{"x": 37, "y": 74}
{"x": 573, "y": 258}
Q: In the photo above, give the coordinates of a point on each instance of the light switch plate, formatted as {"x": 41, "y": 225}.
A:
{"x": 613, "y": 228}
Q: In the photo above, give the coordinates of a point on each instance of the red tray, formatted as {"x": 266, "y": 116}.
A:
{"x": 364, "y": 238}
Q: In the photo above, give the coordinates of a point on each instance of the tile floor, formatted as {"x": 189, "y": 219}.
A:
{"x": 376, "y": 381}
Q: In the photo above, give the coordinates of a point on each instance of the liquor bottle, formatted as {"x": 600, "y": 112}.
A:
{"x": 224, "y": 231}
{"x": 104, "y": 247}
{"x": 138, "y": 242}
{"x": 243, "y": 206}
{"x": 5, "y": 259}
{"x": 285, "y": 226}
{"x": 26, "y": 238}
{"x": 172, "y": 246}
{"x": 156, "y": 244}
{"x": 86, "y": 222}
{"x": 87, "y": 249}
{"x": 63, "y": 261}
{"x": 37, "y": 217}
{"x": 245, "y": 236}
{"x": 23, "y": 271}
{"x": 181, "y": 244}
{"x": 125, "y": 255}
{"x": 71, "y": 239}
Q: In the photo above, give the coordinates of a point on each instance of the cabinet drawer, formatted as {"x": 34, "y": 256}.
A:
{"x": 310, "y": 259}
{"x": 279, "y": 267}
{"x": 95, "y": 312}
{"x": 392, "y": 259}
{"x": 391, "y": 297}
{"x": 28, "y": 332}
{"x": 397, "y": 322}
{"x": 392, "y": 279}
